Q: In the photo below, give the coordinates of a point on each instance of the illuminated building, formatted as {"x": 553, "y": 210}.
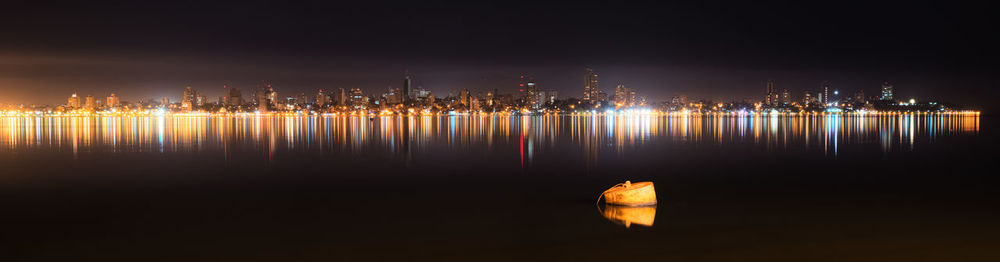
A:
{"x": 602, "y": 97}
{"x": 267, "y": 99}
{"x": 113, "y": 101}
{"x": 90, "y": 102}
{"x": 357, "y": 98}
{"x": 406, "y": 92}
{"x": 489, "y": 98}
{"x": 550, "y": 96}
{"x": 463, "y": 97}
{"x": 322, "y": 99}
{"x": 74, "y": 101}
{"x": 786, "y": 97}
{"x": 591, "y": 90}
{"x": 341, "y": 96}
{"x": 886, "y": 92}
{"x": 189, "y": 99}
{"x": 233, "y": 96}
{"x": 531, "y": 98}
{"x": 201, "y": 100}
{"x": 772, "y": 95}
{"x": 164, "y": 101}
{"x": 859, "y": 97}
{"x": 825, "y": 95}
{"x": 809, "y": 99}
{"x": 393, "y": 96}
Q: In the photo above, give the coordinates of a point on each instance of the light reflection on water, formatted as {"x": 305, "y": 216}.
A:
{"x": 402, "y": 135}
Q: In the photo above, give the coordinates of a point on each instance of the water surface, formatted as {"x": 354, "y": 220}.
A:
{"x": 490, "y": 187}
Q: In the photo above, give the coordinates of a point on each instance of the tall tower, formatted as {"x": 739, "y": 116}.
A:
{"x": 113, "y": 100}
{"x": 771, "y": 98}
{"x": 189, "y": 99}
{"x": 322, "y": 99}
{"x": 89, "y": 102}
{"x": 406, "y": 87}
{"x": 621, "y": 96}
{"x": 233, "y": 96}
{"x": 825, "y": 97}
{"x": 590, "y": 87}
{"x": 463, "y": 97}
{"x": 886, "y": 91}
{"x": 530, "y": 92}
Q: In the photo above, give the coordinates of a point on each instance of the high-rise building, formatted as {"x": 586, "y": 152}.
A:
{"x": 113, "y": 101}
{"x": 622, "y": 95}
{"x": 90, "y": 102}
{"x": 406, "y": 92}
{"x": 602, "y": 97}
{"x": 463, "y": 97}
{"x": 393, "y": 96}
{"x": 322, "y": 99}
{"x": 73, "y": 101}
{"x": 886, "y": 92}
{"x": 201, "y": 100}
{"x": 267, "y": 99}
{"x": 339, "y": 97}
{"x": 771, "y": 98}
{"x": 549, "y": 96}
{"x": 859, "y": 97}
{"x": 233, "y": 96}
{"x": 489, "y": 98}
{"x": 591, "y": 89}
{"x": 357, "y": 98}
{"x": 190, "y": 98}
{"x": 165, "y": 101}
{"x": 272, "y": 96}
{"x": 786, "y": 97}
{"x": 531, "y": 94}
{"x": 825, "y": 93}
{"x": 809, "y": 99}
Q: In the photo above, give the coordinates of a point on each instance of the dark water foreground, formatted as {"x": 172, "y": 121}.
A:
{"x": 497, "y": 189}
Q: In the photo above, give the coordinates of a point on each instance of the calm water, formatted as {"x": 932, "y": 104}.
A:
{"x": 910, "y": 187}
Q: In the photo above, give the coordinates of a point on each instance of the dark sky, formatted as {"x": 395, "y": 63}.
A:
{"x": 714, "y": 50}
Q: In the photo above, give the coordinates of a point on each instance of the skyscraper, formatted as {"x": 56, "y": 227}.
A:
{"x": 809, "y": 99}
{"x": 233, "y": 96}
{"x": 189, "y": 99}
{"x": 73, "y": 101}
{"x": 341, "y": 96}
{"x": 622, "y": 95}
{"x": 406, "y": 88}
{"x": 463, "y": 97}
{"x": 90, "y": 102}
{"x": 824, "y": 97}
{"x": 531, "y": 94}
{"x": 859, "y": 97}
{"x": 772, "y": 95}
{"x": 591, "y": 90}
{"x": 886, "y": 91}
{"x": 786, "y": 97}
{"x": 322, "y": 99}
{"x": 268, "y": 99}
{"x": 357, "y": 98}
{"x": 113, "y": 100}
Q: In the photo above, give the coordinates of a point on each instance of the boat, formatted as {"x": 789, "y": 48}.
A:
{"x": 629, "y": 194}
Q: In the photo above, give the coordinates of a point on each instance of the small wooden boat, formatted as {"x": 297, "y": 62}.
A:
{"x": 625, "y": 215}
{"x": 629, "y": 194}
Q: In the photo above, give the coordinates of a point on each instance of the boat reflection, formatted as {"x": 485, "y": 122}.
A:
{"x": 629, "y": 215}
{"x": 528, "y": 135}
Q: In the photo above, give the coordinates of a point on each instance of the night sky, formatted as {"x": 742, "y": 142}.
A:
{"x": 714, "y": 50}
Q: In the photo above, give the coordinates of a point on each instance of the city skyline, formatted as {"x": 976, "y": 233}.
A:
{"x": 772, "y": 96}
{"x": 716, "y": 52}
